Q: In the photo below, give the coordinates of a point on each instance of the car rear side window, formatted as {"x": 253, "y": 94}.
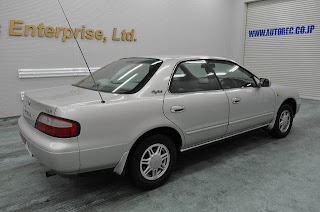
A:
{"x": 193, "y": 76}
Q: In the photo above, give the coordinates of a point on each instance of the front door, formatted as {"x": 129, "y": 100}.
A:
{"x": 250, "y": 105}
{"x": 196, "y": 104}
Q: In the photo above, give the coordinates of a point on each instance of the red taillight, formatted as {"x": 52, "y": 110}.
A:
{"x": 57, "y": 127}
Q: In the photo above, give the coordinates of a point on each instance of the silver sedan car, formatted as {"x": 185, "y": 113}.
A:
{"x": 136, "y": 115}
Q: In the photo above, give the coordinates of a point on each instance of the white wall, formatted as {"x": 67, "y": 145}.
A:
{"x": 189, "y": 27}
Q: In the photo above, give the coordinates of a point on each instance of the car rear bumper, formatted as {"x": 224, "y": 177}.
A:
{"x": 61, "y": 155}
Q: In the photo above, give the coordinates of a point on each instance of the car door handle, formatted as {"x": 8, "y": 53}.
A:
{"x": 236, "y": 100}
{"x": 177, "y": 108}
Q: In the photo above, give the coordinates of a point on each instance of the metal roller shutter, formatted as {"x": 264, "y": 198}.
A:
{"x": 290, "y": 58}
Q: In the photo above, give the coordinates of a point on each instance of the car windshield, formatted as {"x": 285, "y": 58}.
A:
{"x": 123, "y": 76}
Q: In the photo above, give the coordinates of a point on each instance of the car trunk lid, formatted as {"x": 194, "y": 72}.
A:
{"x": 47, "y": 100}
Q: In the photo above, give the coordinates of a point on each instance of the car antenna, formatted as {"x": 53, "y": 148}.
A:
{"x": 102, "y": 101}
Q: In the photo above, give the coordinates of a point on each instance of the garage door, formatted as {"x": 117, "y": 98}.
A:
{"x": 283, "y": 43}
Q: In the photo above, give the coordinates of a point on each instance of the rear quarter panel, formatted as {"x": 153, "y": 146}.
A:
{"x": 110, "y": 129}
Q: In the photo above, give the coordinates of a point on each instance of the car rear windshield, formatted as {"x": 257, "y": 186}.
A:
{"x": 123, "y": 76}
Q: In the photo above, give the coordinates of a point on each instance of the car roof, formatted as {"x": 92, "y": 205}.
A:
{"x": 183, "y": 57}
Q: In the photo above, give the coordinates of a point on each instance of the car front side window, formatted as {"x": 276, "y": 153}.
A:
{"x": 193, "y": 76}
{"x": 231, "y": 75}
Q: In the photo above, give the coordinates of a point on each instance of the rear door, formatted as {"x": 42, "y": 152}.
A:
{"x": 196, "y": 104}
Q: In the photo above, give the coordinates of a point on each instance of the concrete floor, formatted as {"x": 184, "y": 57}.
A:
{"x": 252, "y": 172}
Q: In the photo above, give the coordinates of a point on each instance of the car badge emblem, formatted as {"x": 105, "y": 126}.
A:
{"x": 156, "y": 92}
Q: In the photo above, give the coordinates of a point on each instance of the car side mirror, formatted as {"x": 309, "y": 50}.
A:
{"x": 265, "y": 82}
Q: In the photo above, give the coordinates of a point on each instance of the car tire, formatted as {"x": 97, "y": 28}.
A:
{"x": 152, "y": 161}
{"x": 283, "y": 123}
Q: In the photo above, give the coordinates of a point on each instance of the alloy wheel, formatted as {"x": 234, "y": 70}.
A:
{"x": 284, "y": 121}
{"x": 154, "y": 161}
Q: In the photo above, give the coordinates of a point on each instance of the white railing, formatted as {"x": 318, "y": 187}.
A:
{"x": 54, "y": 72}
